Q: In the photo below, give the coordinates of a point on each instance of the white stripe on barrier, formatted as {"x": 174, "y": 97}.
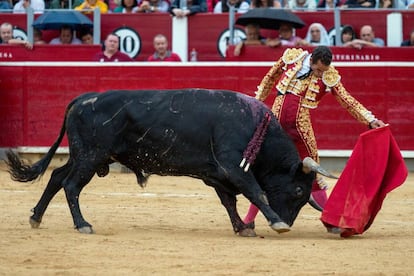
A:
{"x": 193, "y": 64}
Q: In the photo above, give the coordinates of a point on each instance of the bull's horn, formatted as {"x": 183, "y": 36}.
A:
{"x": 310, "y": 165}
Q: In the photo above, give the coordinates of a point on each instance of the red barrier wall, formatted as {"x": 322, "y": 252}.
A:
{"x": 33, "y": 95}
{"x": 204, "y": 30}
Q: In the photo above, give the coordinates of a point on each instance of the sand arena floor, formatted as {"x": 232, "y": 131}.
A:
{"x": 177, "y": 226}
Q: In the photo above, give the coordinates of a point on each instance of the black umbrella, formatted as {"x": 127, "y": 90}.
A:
{"x": 54, "y": 20}
{"x": 269, "y": 18}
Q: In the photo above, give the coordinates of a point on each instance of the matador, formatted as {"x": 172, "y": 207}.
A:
{"x": 302, "y": 79}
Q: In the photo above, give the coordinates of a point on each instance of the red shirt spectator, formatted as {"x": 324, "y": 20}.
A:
{"x": 111, "y": 52}
{"x": 118, "y": 56}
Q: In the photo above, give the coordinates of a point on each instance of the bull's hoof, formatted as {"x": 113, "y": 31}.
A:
{"x": 247, "y": 232}
{"x": 280, "y": 227}
{"x": 85, "y": 230}
{"x": 251, "y": 225}
{"x": 102, "y": 171}
{"x": 34, "y": 223}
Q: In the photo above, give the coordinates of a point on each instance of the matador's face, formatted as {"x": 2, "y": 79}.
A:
{"x": 318, "y": 68}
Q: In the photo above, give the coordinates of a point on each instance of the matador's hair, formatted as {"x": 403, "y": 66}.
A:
{"x": 323, "y": 54}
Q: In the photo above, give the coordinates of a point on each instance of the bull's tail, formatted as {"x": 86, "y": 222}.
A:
{"x": 22, "y": 172}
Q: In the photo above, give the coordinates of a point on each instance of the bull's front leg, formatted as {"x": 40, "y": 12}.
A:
{"x": 275, "y": 222}
{"x": 252, "y": 191}
{"x": 230, "y": 203}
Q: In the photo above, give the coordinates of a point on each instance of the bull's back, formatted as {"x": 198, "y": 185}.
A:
{"x": 190, "y": 114}
{"x": 197, "y": 107}
{"x": 160, "y": 129}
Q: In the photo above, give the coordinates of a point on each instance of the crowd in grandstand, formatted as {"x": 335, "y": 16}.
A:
{"x": 316, "y": 33}
{"x": 189, "y": 7}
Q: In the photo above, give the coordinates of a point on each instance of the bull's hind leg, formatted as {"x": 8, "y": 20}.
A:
{"x": 77, "y": 179}
{"x": 53, "y": 186}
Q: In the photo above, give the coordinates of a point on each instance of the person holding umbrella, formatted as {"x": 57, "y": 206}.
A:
{"x": 276, "y": 19}
{"x": 65, "y": 37}
{"x": 302, "y": 79}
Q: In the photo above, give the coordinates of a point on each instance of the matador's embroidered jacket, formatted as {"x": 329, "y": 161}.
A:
{"x": 311, "y": 89}
{"x": 298, "y": 96}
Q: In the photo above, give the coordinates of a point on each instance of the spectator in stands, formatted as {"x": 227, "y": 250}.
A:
{"x": 65, "y": 37}
{"x": 286, "y": 37}
{"x": 222, "y": 6}
{"x": 265, "y": 4}
{"x": 410, "y": 41}
{"x": 302, "y": 5}
{"x": 6, "y": 5}
{"x": 317, "y": 35}
{"x": 89, "y": 5}
{"x": 252, "y": 38}
{"x": 368, "y": 39}
{"x": 38, "y": 36}
{"x": 328, "y": 4}
{"x": 211, "y": 4}
{"x": 389, "y": 4}
{"x": 353, "y": 4}
{"x": 86, "y": 36}
{"x": 111, "y": 51}
{"x": 64, "y": 4}
{"x": 127, "y": 6}
{"x": 161, "y": 50}
{"x": 192, "y": 7}
{"x": 347, "y": 34}
{"x": 150, "y": 6}
{"x": 6, "y": 36}
{"x": 38, "y": 6}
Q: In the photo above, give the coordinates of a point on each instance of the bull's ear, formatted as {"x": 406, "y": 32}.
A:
{"x": 310, "y": 165}
{"x": 294, "y": 169}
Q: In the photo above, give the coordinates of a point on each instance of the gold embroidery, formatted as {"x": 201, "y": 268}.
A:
{"x": 283, "y": 85}
{"x": 305, "y": 130}
{"x": 277, "y": 105}
{"x": 331, "y": 77}
{"x": 355, "y": 108}
{"x": 292, "y": 55}
{"x": 265, "y": 86}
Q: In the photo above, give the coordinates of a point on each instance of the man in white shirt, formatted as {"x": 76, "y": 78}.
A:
{"x": 37, "y": 5}
{"x": 65, "y": 37}
{"x": 222, "y": 6}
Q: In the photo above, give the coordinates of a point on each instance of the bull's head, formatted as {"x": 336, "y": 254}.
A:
{"x": 293, "y": 190}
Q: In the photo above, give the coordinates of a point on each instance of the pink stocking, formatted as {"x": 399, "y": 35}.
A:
{"x": 251, "y": 214}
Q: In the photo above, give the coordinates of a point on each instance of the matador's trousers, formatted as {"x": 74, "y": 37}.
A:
{"x": 296, "y": 121}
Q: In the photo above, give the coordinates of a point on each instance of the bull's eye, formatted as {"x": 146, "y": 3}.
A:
{"x": 299, "y": 192}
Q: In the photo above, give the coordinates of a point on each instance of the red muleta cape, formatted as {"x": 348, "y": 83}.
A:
{"x": 374, "y": 169}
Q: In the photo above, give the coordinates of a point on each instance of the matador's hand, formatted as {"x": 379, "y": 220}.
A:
{"x": 377, "y": 124}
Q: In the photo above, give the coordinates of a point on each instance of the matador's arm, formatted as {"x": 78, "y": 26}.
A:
{"x": 267, "y": 83}
{"x": 290, "y": 56}
{"x": 355, "y": 108}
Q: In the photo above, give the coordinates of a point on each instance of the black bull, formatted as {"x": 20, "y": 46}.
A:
{"x": 194, "y": 132}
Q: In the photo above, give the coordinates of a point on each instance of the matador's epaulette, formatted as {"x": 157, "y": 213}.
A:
{"x": 331, "y": 77}
{"x": 292, "y": 55}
